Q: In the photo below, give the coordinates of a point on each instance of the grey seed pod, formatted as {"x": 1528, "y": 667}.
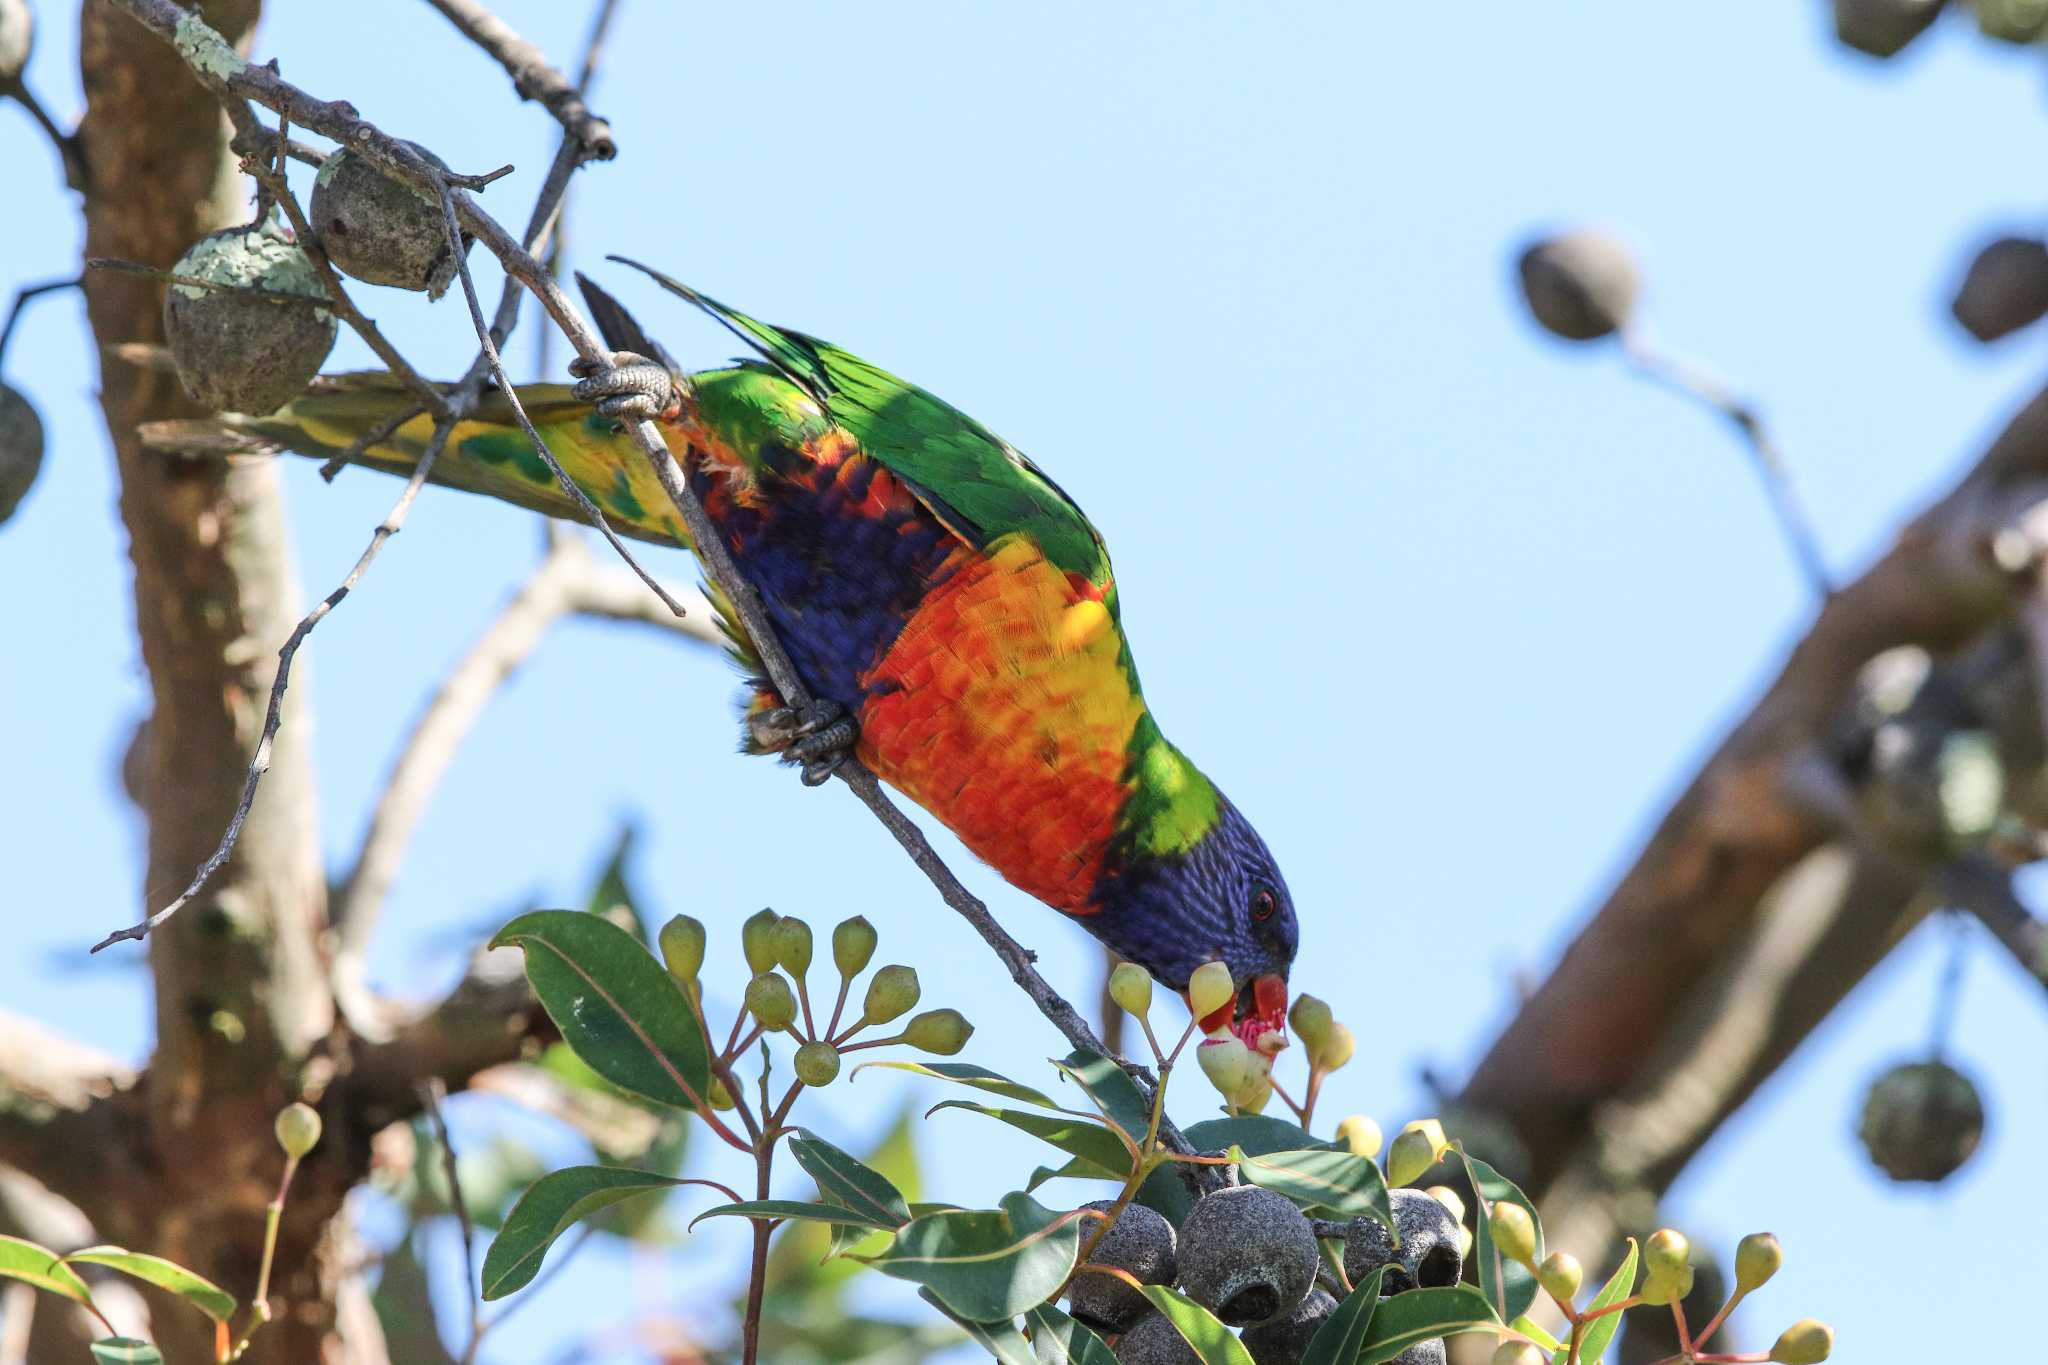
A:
{"x": 135, "y": 761}
{"x": 1921, "y": 1121}
{"x": 237, "y": 351}
{"x": 1580, "y": 285}
{"x": 1247, "y": 1255}
{"x": 1154, "y": 1341}
{"x": 1429, "y": 1352}
{"x": 1284, "y": 1340}
{"x": 2012, "y": 21}
{"x": 21, "y": 449}
{"x": 380, "y": 230}
{"x": 17, "y": 38}
{"x": 1139, "y": 1241}
{"x": 1428, "y": 1256}
{"x": 2005, "y": 288}
{"x": 1882, "y": 27}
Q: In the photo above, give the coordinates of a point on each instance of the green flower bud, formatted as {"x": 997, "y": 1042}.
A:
{"x": 892, "y": 993}
{"x": 1210, "y": 989}
{"x": 1561, "y": 1275}
{"x": 1757, "y": 1258}
{"x": 1256, "y": 1090}
{"x": 1448, "y": 1197}
{"x": 298, "y": 1129}
{"x": 1805, "y": 1342}
{"x": 853, "y": 943}
{"x": 1131, "y": 987}
{"x": 682, "y": 947}
{"x": 1310, "y": 1020}
{"x": 1666, "y": 1287}
{"x": 1337, "y": 1049}
{"x": 1514, "y": 1231}
{"x": 770, "y": 1000}
{"x": 942, "y": 1031}
{"x": 792, "y": 939}
{"x": 1518, "y": 1353}
{"x": 1361, "y": 1136}
{"x": 1416, "y": 1148}
{"x": 817, "y": 1063}
{"x": 721, "y": 1098}
{"x": 1227, "y": 1062}
{"x": 1666, "y": 1253}
{"x": 757, "y": 940}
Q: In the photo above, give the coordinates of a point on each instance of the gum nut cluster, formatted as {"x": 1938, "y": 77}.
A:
{"x": 1580, "y": 285}
{"x": 238, "y": 351}
{"x": 1140, "y": 1242}
{"x": 1428, "y": 1256}
{"x": 1247, "y": 1254}
{"x": 380, "y": 230}
{"x": 17, "y": 39}
{"x": 1921, "y": 1121}
{"x": 1154, "y": 1341}
{"x": 1882, "y": 27}
{"x": 21, "y": 449}
{"x": 1285, "y": 1340}
{"x": 2005, "y": 288}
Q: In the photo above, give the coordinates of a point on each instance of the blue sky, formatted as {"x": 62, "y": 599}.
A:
{"x": 1450, "y": 610}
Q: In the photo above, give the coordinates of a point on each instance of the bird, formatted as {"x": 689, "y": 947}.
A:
{"x": 951, "y": 609}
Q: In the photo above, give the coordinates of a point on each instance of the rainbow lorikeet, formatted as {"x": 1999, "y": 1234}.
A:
{"x": 948, "y": 604}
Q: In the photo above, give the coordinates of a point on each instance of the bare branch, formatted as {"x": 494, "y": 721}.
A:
{"x": 68, "y": 150}
{"x": 432, "y": 1092}
{"x": 532, "y": 76}
{"x": 1983, "y": 888}
{"x": 25, "y": 295}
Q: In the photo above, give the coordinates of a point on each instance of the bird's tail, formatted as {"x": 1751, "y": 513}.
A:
{"x": 487, "y": 452}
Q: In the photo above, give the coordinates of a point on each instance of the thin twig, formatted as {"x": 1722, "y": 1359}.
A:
{"x": 76, "y": 174}
{"x": 532, "y": 76}
{"x": 432, "y": 1093}
{"x": 1977, "y": 884}
{"x": 374, "y": 436}
{"x": 277, "y": 296}
{"x": 22, "y": 297}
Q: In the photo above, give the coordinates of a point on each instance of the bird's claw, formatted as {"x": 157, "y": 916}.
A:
{"x": 818, "y": 737}
{"x": 625, "y": 386}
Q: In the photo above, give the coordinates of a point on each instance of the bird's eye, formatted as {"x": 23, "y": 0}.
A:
{"x": 1264, "y": 903}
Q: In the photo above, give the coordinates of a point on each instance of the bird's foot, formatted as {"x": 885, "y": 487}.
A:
{"x": 626, "y": 386}
{"x": 818, "y": 737}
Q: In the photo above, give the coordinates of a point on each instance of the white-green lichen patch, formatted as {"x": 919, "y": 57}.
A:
{"x": 259, "y": 258}
{"x": 205, "y": 51}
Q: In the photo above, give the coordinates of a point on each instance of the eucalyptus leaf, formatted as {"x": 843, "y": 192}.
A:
{"x": 1057, "y": 1339}
{"x": 1198, "y": 1327}
{"x": 1594, "y": 1344}
{"x": 1111, "y": 1090}
{"x": 1083, "y": 1138}
{"x": 844, "y": 1179}
{"x": 203, "y": 1294}
{"x": 1338, "y": 1184}
{"x": 25, "y": 1261}
{"x": 987, "y": 1265}
{"x": 550, "y": 1207}
{"x": 796, "y": 1209}
{"x": 125, "y": 1351}
{"x": 964, "y": 1073}
{"x": 1000, "y": 1339}
{"x": 1342, "y": 1335}
{"x": 1419, "y": 1314}
{"x": 1508, "y": 1285}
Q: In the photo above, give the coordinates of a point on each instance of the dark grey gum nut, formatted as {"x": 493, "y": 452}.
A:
{"x": 238, "y": 350}
{"x": 1284, "y": 1341}
{"x": 21, "y": 449}
{"x": 1154, "y": 1341}
{"x": 380, "y": 230}
{"x": 1247, "y": 1255}
{"x": 1427, "y": 1257}
{"x": 1921, "y": 1121}
{"x": 1430, "y": 1352}
{"x": 1140, "y": 1242}
{"x": 1882, "y": 27}
{"x": 1580, "y": 285}
{"x": 2005, "y": 288}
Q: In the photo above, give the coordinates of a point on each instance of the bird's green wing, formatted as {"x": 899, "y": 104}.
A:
{"x": 970, "y": 478}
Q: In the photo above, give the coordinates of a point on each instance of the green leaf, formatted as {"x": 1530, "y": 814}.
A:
{"x": 1076, "y": 1169}
{"x": 31, "y": 1264}
{"x": 1338, "y": 1340}
{"x": 1000, "y": 1339}
{"x": 1110, "y": 1090}
{"x": 125, "y": 1351}
{"x": 1508, "y": 1285}
{"x": 1057, "y": 1339}
{"x": 797, "y": 1209}
{"x": 203, "y": 1294}
{"x": 1618, "y": 1287}
{"x": 843, "y": 1179}
{"x": 1534, "y": 1330}
{"x": 1419, "y": 1314}
{"x": 550, "y": 1207}
{"x": 962, "y": 1073}
{"x": 1164, "y": 1191}
{"x": 1345, "y": 1185}
{"x": 614, "y": 892}
{"x": 1083, "y": 1138}
{"x": 1198, "y": 1327}
{"x": 618, "y": 1007}
{"x": 987, "y": 1265}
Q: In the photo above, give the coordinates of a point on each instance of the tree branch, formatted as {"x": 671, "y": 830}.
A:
{"x": 532, "y": 76}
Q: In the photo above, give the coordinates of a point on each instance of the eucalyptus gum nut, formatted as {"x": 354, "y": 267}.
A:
{"x": 1154, "y": 1341}
{"x": 1247, "y": 1255}
{"x": 1882, "y": 27}
{"x": 380, "y": 230}
{"x": 1285, "y": 1340}
{"x": 1921, "y": 1121}
{"x": 1579, "y": 285}
{"x": 17, "y": 38}
{"x": 21, "y": 449}
{"x": 2012, "y": 21}
{"x": 1141, "y": 1242}
{"x": 1428, "y": 1256}
{"x": 236, "y": 351}
{"x": 2004, "y": 289}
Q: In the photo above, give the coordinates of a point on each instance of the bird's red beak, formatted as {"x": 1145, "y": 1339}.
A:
{"x": 1258, "y": 1015}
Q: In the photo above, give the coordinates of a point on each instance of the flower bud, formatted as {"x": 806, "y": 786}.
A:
{"x": 1361, "y": 1136}
{"x": 1757, "y": 1258}
{"x": 853, "y": 944}
{"x": 892, "y": 993}
{"x": 1210, "y": 989}
{"x": 1257, "y": 1089}
{"x": 1448, "y": 1197}
{"x": 1666, "y": 1286}
{"x": 1336, "y": 1051}
{"x": 792, "y": 940}
{"x": 1514, "y": 1231}
{"x": 942, "y": 1031}
{"x": 1805, "y": 1342}
{"x": 1561, "y": 1275}
{"x": 682, "y": 947}
{"x": 1227, "y": 1062}
{"x": 298, "y": 1129}
{"x": 720, "y": 1097}
{"x": 1416, "y": 1148}
{"x": 1310, "y": 1019}
{"x": 1666, "y": 1253}
{"x": 1518, "y": 1353}
{"x": 817, "y": 1063}
{"x": 757, "y": 940}
{"x": 1131, "y": 987}
{"x": 771, "y": 1001}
